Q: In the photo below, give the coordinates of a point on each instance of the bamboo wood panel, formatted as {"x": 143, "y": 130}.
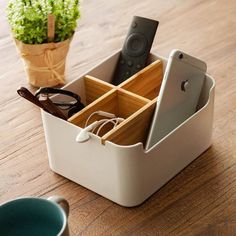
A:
{"x": 107, "y": 102}
{"x": 95, "y": 88}
{"x": 134, "y": 129}
{"x": 129, "y": 103}
{"x": 147, "y": 82}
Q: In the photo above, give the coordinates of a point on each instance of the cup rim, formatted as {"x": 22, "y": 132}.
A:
{"x": 65, "y": 219}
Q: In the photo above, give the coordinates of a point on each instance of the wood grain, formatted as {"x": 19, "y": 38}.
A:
{"x": 107, "y": 103}
{"x": 95, "y": 88}
{"x": 123, "y": 104}
{"x": 201, "y": 200}
{"x": 125, "y": 101}
{"x": 146, "y": 82}
{"x": 134, "y": 128}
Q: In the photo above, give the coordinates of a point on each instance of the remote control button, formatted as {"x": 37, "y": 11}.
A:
{"x": 138, "y": 66}
{"x": 130, "y": 63}
{"x": 136, "y": 45}
{"x": 134, "y": 24}
{"x": 127, "y": 73}
{"x": 122, "y": 62}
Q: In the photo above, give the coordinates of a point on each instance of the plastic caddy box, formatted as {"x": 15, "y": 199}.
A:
{"x": 126, "y": 174}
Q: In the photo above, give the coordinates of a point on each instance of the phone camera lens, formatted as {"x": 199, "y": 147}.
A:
{"x": 181, "y": 56}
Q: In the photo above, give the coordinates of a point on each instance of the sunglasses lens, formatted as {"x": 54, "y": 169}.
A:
{"x": 75, "y": 109}
{"x": 64, "y": 102}
{"x": 65, "y": 106}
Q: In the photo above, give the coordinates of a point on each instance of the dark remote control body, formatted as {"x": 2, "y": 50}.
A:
{"x": 136, "y": 48}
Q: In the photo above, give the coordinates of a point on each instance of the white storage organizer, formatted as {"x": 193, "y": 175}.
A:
{"x": 126, "y": 174}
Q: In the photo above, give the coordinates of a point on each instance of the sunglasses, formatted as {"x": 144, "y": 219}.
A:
{"x": 69, "y": 101}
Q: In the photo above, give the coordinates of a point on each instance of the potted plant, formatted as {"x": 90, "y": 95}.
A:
{"x": 42, "y": 30}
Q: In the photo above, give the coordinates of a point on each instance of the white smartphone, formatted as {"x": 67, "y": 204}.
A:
{"x": 179, "y": 94}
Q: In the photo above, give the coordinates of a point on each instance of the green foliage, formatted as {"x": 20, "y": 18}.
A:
{"x": 28, "y": 19}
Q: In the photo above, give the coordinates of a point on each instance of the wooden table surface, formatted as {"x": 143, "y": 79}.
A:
{"x": 201, "y": 200}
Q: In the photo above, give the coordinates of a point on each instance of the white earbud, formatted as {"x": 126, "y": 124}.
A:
{"x": 84, "y": 133}
{"x": 82, "y": 136}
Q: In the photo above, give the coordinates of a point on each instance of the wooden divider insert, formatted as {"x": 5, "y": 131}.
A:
{"x": 116, "y": 101}
{"x": 147, "y": 82}
{"x": 134, "y": 100}
{"x": 129, "y": 103}
{"x": 95, "y": 88}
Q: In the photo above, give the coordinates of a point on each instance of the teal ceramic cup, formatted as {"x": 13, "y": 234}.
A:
{"x": 34, "y": 217}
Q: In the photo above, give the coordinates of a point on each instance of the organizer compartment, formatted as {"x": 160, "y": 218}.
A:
{"x": 147, "y": 82}
{"x": 95, "y": 88}
{"x": 89, "y": 89}
{"x": 127, "y": 175}
{"x": 134, "y": 129}
{"x": 130, "y": 100}
{"x": 116, "y": 101}
{"x": 136, "y": 111}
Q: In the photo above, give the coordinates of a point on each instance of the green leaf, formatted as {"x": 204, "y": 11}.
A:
{"x": 28, "y": 19}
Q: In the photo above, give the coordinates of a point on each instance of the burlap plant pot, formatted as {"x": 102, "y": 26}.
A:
{"x": 44, "y": 63}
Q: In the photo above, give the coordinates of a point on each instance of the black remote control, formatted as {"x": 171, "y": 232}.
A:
{"x": 136, "y": 48}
